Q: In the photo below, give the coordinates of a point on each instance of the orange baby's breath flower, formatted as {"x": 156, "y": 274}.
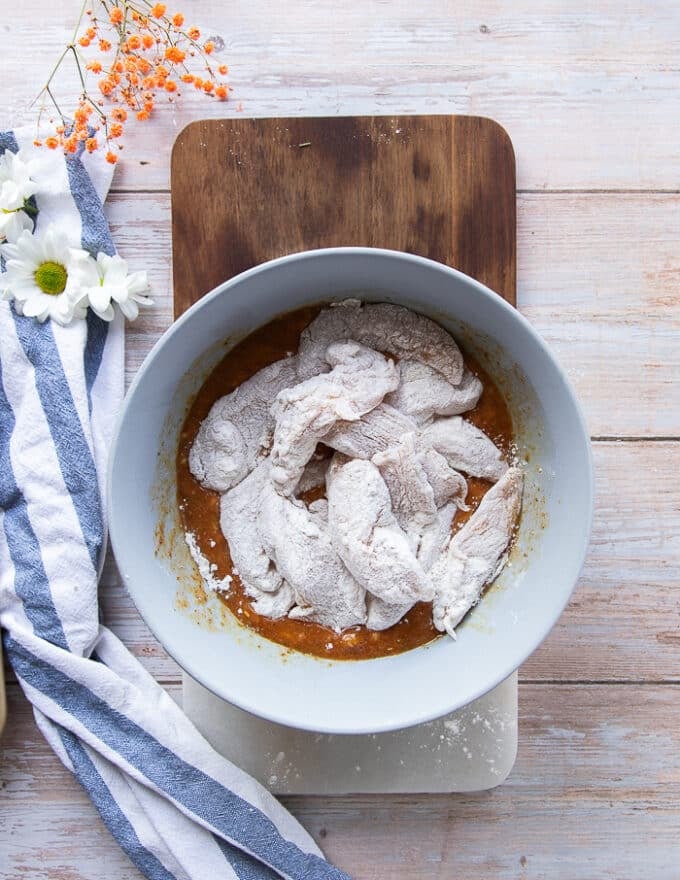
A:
{"x": 82, "y": 112}
{"x": 174, "y": 53}
{"x": 151, "y": 55}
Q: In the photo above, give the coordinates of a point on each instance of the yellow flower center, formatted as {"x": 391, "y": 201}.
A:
{"x": 51, "y": 278}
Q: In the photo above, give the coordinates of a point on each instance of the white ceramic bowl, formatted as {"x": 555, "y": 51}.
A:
{"x": 371, "y": 695}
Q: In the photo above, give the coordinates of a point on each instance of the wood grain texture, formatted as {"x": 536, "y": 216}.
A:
{"x": 593, "y": 794}
{"x": 589, "y": 93}
{"x": 587, "y": 90}
{"x": 597, "y": 276}
{"x": 442, "y": 187}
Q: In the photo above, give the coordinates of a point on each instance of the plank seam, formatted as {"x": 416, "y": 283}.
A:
{"x": 125, "y": 190}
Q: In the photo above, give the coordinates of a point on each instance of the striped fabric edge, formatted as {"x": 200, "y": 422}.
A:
{"x": 61, "y": 418}
{"x": 30, "y": 579}
{"x": 108, "y": 808}
{"x": 30, "y": 459}
{"x": 47, "y": 617}
{"x": 194, "y": 792}
{"x": 147, "y": 826}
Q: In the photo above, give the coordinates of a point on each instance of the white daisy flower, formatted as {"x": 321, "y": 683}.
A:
{"x": 40, "y": 276}
{"x": 16, "y": 187}
{"x": 105, "y": 281}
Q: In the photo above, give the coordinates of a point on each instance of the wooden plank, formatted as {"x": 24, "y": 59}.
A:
{"x": 594, "y": 793}
{"x": 598, "y": 278}
{"x": 588, "y": 92}
{"x": 442, "y": 187}
{"x": 623, "y": 622}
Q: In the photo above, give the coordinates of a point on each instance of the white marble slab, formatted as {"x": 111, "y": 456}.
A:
{"x": 473, "y": 749}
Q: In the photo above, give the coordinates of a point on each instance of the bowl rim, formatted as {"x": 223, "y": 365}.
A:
{"x": 541, "y": 630}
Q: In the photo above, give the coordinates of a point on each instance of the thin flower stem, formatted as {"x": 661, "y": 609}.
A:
{"x": 54, "y": 101}
{"x": 129, "y": 77}
{"x": 80, "y": 21}
{"x": 78, "y": 67}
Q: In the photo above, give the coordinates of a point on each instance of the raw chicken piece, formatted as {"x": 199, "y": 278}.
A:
{"x": 410, "y": 490}
{"x": 423, "y": 393}
{"x": 273, "y": 605}
{"x": 229, "y": 439}
{"x": 447, "y": 484}
{"x": 368, "y": 537}
{"x": 238, "y": 520}
{"x": 436, "y": 536}
{"x": 318, "y": 510}
{"x": 359, "y": 380}
{"x": 382, "y": 615}
{"x": 464, "y": 447}
{"x": 373, "y": 432}
{"x": 475, "y": 554}
{"x": 400, "y": 332}
{"x": 314, "y": 474}
{"x": 299, "y": 544}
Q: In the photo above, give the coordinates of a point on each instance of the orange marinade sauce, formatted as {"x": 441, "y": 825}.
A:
{"x": 200, "y": 508}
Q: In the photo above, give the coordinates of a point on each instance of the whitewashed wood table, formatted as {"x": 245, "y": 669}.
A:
{"x": 589, "y": 91}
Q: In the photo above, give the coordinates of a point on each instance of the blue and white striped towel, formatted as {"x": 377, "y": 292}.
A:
{"x": 175, "y": 806}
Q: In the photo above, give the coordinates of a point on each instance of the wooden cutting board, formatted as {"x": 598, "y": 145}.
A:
{"x": 248, "y": 190}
